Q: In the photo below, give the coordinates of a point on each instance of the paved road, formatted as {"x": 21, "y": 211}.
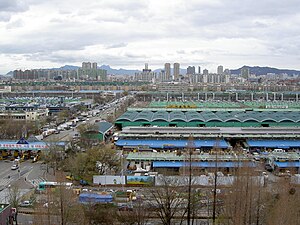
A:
{"x": 26, "y": 178}
{"x": 67, "y": 135}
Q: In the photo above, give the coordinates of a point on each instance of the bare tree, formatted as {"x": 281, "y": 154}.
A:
{"x": 243, "y": 203}
{"x": 14, "y": 198}
{"x": 61, "y": 206}
{"x": 168, "y": 201}
{"x": 104, "y": 214}
{"x": 14, "y": 129}
{"x": 283, "y": 205}
{"x": 138, "y": 215}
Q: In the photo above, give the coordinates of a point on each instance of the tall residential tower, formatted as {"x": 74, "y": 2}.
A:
{"x": 168, "y": 71}
{"x": 176, "y": 71}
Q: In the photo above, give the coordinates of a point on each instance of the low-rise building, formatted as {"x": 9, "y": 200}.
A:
{"x": 33, "y": 115}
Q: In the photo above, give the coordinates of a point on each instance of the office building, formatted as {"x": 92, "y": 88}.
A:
{"x": 199, "y": 69}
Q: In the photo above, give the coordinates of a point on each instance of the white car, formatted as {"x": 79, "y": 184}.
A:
{"x": 26, "y": 204}
{"x": 14, "y": 167}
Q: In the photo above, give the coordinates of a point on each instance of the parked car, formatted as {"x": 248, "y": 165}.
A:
{"x": 83, "y": 182}
{"x": 26, "y": 203}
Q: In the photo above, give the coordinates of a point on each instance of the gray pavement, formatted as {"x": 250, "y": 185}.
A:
{"x": 26, "y": 178}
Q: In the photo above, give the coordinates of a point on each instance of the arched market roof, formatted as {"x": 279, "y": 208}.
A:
{"x": 211, "y": 116}
{"x": 161, "y": 115}
{"x": 177, "y": 116}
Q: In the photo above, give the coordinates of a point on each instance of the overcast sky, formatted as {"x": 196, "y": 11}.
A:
{"x": 128, "y": 33}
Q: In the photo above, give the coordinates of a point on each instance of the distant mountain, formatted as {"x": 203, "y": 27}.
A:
{"x": 265, "y": 70}
{"x": 109, "y": 70}
{"x": 120, "y": 71}
{"x": 253, "y": 70}
{"x": 67, "y": 67}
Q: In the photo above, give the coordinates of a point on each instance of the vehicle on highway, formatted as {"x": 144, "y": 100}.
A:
{"x": 15, "y": 167}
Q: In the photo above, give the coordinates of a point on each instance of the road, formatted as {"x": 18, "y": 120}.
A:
{"x": 26, "y": 178}
{"x": 67, "y": 135}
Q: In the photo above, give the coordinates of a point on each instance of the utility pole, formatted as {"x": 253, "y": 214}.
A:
{"x": 190, "y": 150}
{"x": 216, "y": 148}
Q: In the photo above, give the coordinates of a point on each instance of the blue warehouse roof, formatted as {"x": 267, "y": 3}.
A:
{"x": 287, "y": 164}
{"x": 274, "y": 143}
{"x": 171, "y": 143}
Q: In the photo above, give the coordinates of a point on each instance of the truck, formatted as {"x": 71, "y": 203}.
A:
{"x": 63, "y": 127}
{"x": 48, "y": 132}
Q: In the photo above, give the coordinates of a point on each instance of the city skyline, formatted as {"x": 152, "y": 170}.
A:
{"x": 126, "y": 34}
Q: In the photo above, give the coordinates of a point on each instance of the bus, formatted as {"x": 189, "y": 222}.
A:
{"x": 52, "y": 185}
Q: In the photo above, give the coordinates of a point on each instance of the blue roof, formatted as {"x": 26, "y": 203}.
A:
{"x": 171, "y": 143}
{"x": 287, "y": 164}
{"x": 94, "y": 198}
{"x": 178, "y": 164}
{"x": 274, "y": 143}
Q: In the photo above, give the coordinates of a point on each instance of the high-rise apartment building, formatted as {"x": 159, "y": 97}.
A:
{"x": 90, "y": 71}
{"x": 205, "y": 72}
{"x": 245, "y": 72}
{"x": 145, "y": 75}
{"x": 94, "y": 65}
{"x": 199, "y": 69}
{"x": 176, "y": 71}
{"x": 227, "y": 72}
{"x": 86, "y": 65}
{"x": 220, "y": 70}
{"x": 168, "y": 71}
{"x": 190, "y": 70}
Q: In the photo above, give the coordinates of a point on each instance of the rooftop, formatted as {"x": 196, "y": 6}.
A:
{"x": 173, "y": 156}
{"x": 192, "y": 115}
{"x": 167, "y": 143}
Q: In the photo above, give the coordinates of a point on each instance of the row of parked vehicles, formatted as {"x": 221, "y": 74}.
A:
{"x": 48, "y": 130}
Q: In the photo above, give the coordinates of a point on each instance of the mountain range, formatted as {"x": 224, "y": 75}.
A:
{"x": 265, "y": 70}
{"x": 253, "y": 70}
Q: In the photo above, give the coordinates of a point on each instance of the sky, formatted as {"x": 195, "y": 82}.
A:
{"x": 129, "y": 33}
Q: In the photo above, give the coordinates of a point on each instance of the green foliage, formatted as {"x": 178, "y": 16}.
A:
{"x": 96, "y": 160}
